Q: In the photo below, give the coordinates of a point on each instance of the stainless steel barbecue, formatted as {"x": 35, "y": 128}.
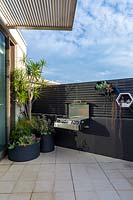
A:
{"x": 78, "y": 118}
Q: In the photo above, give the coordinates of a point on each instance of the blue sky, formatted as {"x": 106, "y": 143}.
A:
{"x": 99, "y": 47}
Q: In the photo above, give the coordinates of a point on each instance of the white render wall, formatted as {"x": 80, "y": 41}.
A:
{"x": 20, "y": 51}
{"x": 20, "y": 47}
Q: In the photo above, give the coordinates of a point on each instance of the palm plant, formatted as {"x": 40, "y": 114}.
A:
{"x": 27, "y": 84}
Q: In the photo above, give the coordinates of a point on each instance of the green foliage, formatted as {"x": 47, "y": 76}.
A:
{"x": 11, "y": 146}
{"x": 34, "y": 69}
{"x": 106, "y": 89}
{"x": 42, "y": 125}
{"x": 100, "y": 87}
{"x": 22, "y": 128}
{"x": 27, "y": 83}
{"x": 23, "y": 141}
{"x": 22, "y": 134}
{"x": 20, "y": 86}
{"x": 26, "y": 140}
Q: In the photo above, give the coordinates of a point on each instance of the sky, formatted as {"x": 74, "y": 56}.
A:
{"x": 100, "y": 46}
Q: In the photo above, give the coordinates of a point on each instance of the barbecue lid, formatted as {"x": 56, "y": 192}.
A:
{"x": 78, "y": 111}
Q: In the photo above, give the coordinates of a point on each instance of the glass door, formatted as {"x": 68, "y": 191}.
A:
{"x": 2, "y": 94}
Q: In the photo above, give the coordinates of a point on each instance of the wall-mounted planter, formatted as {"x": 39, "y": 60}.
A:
{"x": 105, "y": 88}
{"x": 124, "y": 100}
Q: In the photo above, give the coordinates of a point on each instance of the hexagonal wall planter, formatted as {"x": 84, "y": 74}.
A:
{"x": 124, "y": 100}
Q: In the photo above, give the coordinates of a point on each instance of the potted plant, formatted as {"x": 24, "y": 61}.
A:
{"x": 45, "y": 129}
{"x": 26, "y": 84}
{"x": 24, "y": 146}
{"x": 105, "y": 88}
{"x": 100, "y": 87}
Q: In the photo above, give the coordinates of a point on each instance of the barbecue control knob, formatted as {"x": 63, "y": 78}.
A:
{"x": 75, "y": 122}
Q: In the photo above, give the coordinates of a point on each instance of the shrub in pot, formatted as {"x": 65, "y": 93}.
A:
{"x": 36, "y": 126}
{"x": 47, "y": 142}
{"x": 23, "y": 146}
{"x": 46, "y": 133}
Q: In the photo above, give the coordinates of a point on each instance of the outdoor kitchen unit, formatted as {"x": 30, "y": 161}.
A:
{"x": 78, "y": 117}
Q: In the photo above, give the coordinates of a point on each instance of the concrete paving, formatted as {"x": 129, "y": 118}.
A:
{"x": 67, "y": 174}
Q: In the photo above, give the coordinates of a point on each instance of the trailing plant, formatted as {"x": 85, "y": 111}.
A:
{"x": 27, "y": 83}
{"x": 101, "y": 87}
{"x": 22, "y": 135}
{"x": 24, "y": 141}
{"x": 105, "y": 88}
{"x": 23, "y": 127}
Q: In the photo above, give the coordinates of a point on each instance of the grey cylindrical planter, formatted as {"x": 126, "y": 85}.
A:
{"x": 24, "y": 153}
{"x": 47, "y": 143}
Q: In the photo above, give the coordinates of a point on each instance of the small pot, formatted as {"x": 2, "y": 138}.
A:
{"x": 24, "y": 153}
{"x": 47, "y": 143}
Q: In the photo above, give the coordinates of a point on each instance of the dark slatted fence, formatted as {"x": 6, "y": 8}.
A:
{"x": 54, "y": 98}
{"x": 111, "y": 128}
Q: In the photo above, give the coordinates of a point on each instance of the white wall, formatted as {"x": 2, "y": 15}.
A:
{"x": 20, "y": 51}
{"x": 21, "y": 47}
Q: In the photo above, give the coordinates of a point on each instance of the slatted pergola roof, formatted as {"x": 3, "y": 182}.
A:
{"x": 38, "y": 14}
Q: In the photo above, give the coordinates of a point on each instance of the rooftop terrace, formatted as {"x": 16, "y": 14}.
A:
{"x": 67, "y": 174}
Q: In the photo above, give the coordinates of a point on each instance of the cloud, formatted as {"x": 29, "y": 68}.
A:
{"x": 99, "y": 46}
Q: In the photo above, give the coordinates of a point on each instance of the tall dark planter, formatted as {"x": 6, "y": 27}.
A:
{"x": 24, "y": 153}
{"x": 47, "y": 143}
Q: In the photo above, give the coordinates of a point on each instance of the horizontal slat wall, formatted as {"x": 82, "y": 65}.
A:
{"x": 54, "y": 98}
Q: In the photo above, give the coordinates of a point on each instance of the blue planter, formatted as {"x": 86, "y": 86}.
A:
{"x": 47, "y": 143}
{"x": 24, "y": 153}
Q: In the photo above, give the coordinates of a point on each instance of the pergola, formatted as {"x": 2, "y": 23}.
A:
{"x": 38, "y": 14}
